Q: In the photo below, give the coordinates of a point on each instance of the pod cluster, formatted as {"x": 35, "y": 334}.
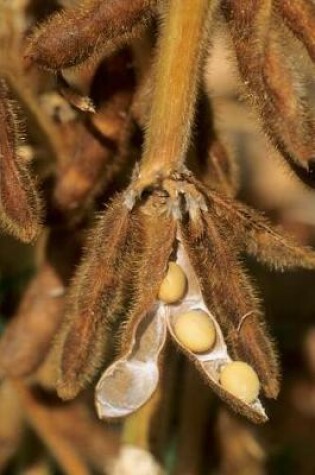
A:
{"x": 167, "y": 262}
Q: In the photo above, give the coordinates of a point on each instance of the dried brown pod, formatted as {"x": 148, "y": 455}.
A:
{"x": 299, "y": 16}
{"x": 72, "y": 36}
{"x": 230, "y": 297}
{"x": 155, "y": 253}
{"x": 20, "y": 209}
{"x": 91, "y": 307}
{"x": 270, "y": 245}
{"x": 271, "y": 83}
{"x": 274, "y": 247}
{"x": 118, "y": 392}
{"x": 136, "y": 323}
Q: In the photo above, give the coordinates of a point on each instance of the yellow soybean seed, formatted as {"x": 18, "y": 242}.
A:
{"x": 174, "y": 284}
{"x": 240, "y": 379}
{"x": 195, "y": 331}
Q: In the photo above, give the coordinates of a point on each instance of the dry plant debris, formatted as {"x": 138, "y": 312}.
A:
{"x": 165, "y": 256}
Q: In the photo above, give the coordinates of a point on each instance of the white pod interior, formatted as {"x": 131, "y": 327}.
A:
{"x": 132, "y": 379}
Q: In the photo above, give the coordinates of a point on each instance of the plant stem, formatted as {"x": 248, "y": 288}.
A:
{"x": 176, "y": 75}
{"x": 137, "y": 426}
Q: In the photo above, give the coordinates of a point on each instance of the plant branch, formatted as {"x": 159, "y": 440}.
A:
{"x": 176, "y": 75}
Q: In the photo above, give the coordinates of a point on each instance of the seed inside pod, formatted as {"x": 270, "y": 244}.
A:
{"x": 195, "y": 331}
{"x": 240, "y": 379}
{"x": 174, "y": 284}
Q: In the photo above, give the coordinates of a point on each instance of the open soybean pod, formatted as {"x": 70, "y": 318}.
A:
{"x": 130, "y": 381}
{"x": 210, "y": 363}
{"x": 230, "y": 296}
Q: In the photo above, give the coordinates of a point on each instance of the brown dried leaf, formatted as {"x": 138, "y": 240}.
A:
{"x": 29, "y": 335}
{"x": 19, "y": 203}
{"x": 70, "y": 37}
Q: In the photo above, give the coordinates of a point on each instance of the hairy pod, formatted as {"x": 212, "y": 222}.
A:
{"x": 142, "y": 333}
{"x": 210, "y": 362}
{"x": 83, "y": 339}
{"x": 230, "y": 298}
{"x": 133, "y": 377}
{"x": 271, "y": 84}
{"x": 253, "y": 233}
{"x": 72, "y": 36}
{"x": 19, "y": 203}
{"x": 299, "y": 16}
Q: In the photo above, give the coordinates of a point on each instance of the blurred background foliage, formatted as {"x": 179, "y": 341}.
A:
{"x": 187, "y": 429}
